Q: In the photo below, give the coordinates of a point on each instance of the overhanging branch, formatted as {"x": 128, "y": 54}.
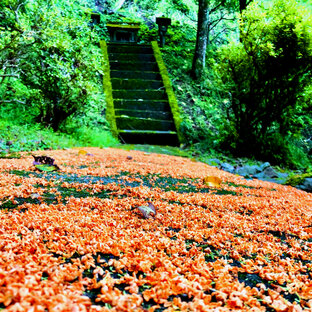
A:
{"x": 9, "y": 75}
{"x": 13, "y": 100}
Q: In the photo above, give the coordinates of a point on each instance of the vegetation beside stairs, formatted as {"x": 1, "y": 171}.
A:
{"x": 141, "y": 105}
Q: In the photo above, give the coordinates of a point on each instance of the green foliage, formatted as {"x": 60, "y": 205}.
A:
{"x": 50, "y": 65}
{"x": 266, "y": 75}
{"x": 30, "y": 137}
{"x": 200, "y": 101}
{"x": 89, "y": 136}
{"x": 147, "y": 34}
{"x": 297, "y": 179}
{"x": 16, "y": 138}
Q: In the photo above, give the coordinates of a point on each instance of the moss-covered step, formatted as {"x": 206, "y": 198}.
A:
{"x": 107, "y": 85}
{"x": 139, "y": 65}
{"x": 161, "y": 105}
{"x": 135, "y": 123}
{"x": 140, "y": 94}
{"x": 131, "y": 57}
{"x": 163, "y": 115}
{"x": 169, "y": 91}
{"x": 149, "y": 137}
{"x": 136, "y": 84}
{"x": 135, "y": 74}
{"x": 129, "y": 48}
{"x": 145, "y": 108}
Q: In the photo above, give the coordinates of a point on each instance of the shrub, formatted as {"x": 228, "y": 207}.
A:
{"x": 57, "y": 60}
{"x": 265, "y": 74}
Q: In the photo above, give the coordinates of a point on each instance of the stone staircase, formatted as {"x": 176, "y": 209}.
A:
{"x": 141, "y": 107}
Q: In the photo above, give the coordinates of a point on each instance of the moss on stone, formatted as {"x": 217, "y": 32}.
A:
{"x": 110, "y": 111}
{"x": 126, "y": 26}
{"x": 171, "y": 96}
{"x": 298, "y": 179}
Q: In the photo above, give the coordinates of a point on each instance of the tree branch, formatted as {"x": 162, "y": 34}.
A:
{"x": 220, "y": 32}
{"x": 215, "y": 8}
{"x": 16, "y": 12}
{"x": 9, "y": 75}
{"x": 119, "y": 4}
{"x": 13, "y": 100}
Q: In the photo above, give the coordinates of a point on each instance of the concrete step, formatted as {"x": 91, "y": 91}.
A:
{"x": 140, "y": 94}
{"x": 135, "y": 123}
{"x": 151, "y": 105}
{"x": 128, "y": 48}
{"x": 161, "y": 115}
{"x": 138, "y": 66}
{"x": 142, "y": 111}
{"x": 136, "y": 84}
{"x": 135, "y": 74}
{"x": 131, "y": 57}
{"x": 149, "y": 137}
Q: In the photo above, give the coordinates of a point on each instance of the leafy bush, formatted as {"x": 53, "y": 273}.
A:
{"x": 87, "y": 133}
{"x": 49, "y": 61}
{"x": 200, "y": 101}
{"x": 266, "y": 74}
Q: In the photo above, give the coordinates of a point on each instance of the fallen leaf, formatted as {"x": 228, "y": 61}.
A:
{"x": 40, "y": 160}
{"x": 82, "y": 152}
{"x": 34, "y": 195}
{"x": 45, "y": 163}
{"x": 47, "y": 168}
{"x": 147, "y": 210}
{"x": 212, "y": 181}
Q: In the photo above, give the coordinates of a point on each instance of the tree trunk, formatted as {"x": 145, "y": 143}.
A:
{"x": 199, "y": 59}
{"x": 242, "y": 5}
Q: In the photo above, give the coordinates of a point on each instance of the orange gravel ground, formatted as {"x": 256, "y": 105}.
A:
{"x": 75, "y": 240}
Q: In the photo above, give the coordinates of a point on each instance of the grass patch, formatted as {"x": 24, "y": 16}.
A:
{"x": 15, "y": 138}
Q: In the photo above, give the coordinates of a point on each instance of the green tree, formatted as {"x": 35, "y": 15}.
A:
{"x": 266, "y": 75}
{"x": 210, "y": 15}
{"x": 13, "y": 49}
{"x": 54, "y": 59}
{"x": 243, "y": 5}
{"x": 199, "y": 59}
